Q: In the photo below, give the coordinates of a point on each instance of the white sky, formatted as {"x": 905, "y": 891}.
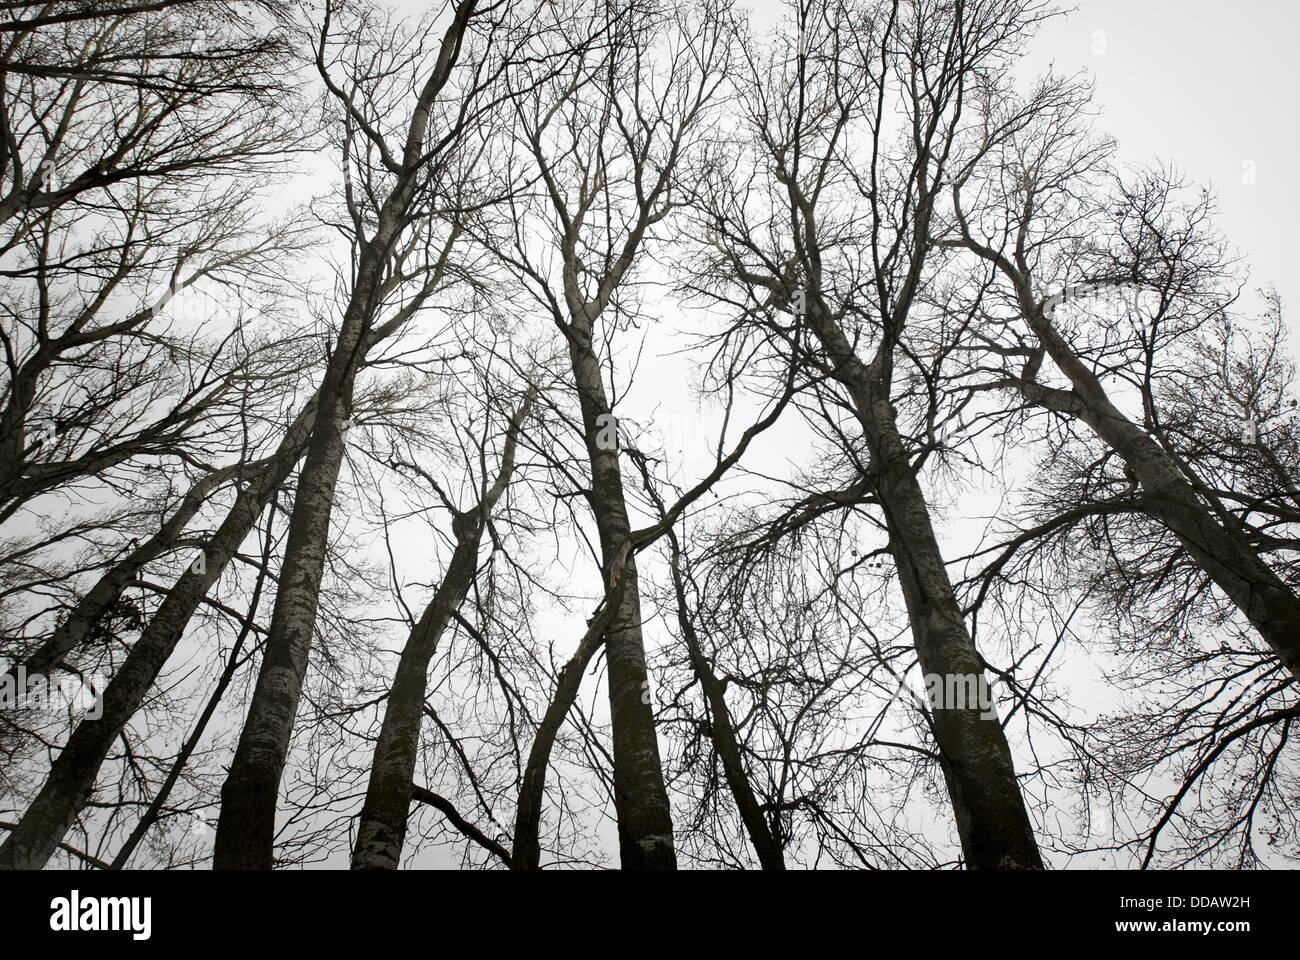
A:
{"x": 1203, "y": 84}
{"x": 1208, "y": 86}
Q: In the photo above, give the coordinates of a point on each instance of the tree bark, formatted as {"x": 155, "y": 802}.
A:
{"x": 382, "y": 827}
{"x": 645, "y": 827}
{"x": 72, "y": 775}
{"x": 992, "y": 821}
{"x": 245, "y": 829}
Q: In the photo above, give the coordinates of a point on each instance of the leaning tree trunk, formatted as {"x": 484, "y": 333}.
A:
{"x": 527, "y": 851}
{"x": 382, "y": 827}
{"x": 246, "y": 826}
{"x": 645, "y": 826}
{"x": 72, "y": 775}
{"x": 1220, "y": 549}
{"x": 992, "y": 821}
{"x": 722, "y": 730}
{"x": 233, "y": 663}
{"x": 72, "y": 633}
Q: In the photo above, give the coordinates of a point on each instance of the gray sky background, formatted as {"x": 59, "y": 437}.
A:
{"x": 1205, "y": 86}
{"x": 1208, "y": 86}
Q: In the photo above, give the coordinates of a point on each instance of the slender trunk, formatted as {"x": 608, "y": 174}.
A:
{"x": 978, "y": 768}
{"x": 527, "y": 852}
{"x": 192, "y": 741}
{"x": 645, "y": 827}
{"x": 723, "y": 732}
{"x": 1221, "y": 549}
{"x": 382, "y": 827}
{"x": 246, "y": 827}
{"x": 72, "y": 633}
{"x": 72, "y": 775}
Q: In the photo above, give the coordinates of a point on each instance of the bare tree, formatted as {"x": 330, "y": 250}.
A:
{"x": 607, "y": 137}
{"x": 843, "y": 247}
{"x": 303, "y": 490}
{"x": 118, "y": 211}
{"x": 400, "y": 199}
{"x": 382, "y": 826}
{"x": 1056, "y": 241}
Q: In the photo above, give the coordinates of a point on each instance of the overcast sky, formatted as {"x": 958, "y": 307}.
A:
{"x": 1209, "y": 86}
{"x": 1204, "y": 85}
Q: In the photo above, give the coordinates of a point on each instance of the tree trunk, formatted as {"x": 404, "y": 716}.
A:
{"x": 992, "y": 820}
{"x": 388, "y": 796}
{"x": 246, "y": 827}
{"x": 527, "y": 852}
{"x": 645, "y": 827}
{"x": 72, "y": 775}
{"x": 73, "y": 632}
{"x": 1219, "y": 548}
{"x": 994, "y": 826}
{"x": 382, "y": 827}
{"x": 723, "y": 732}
